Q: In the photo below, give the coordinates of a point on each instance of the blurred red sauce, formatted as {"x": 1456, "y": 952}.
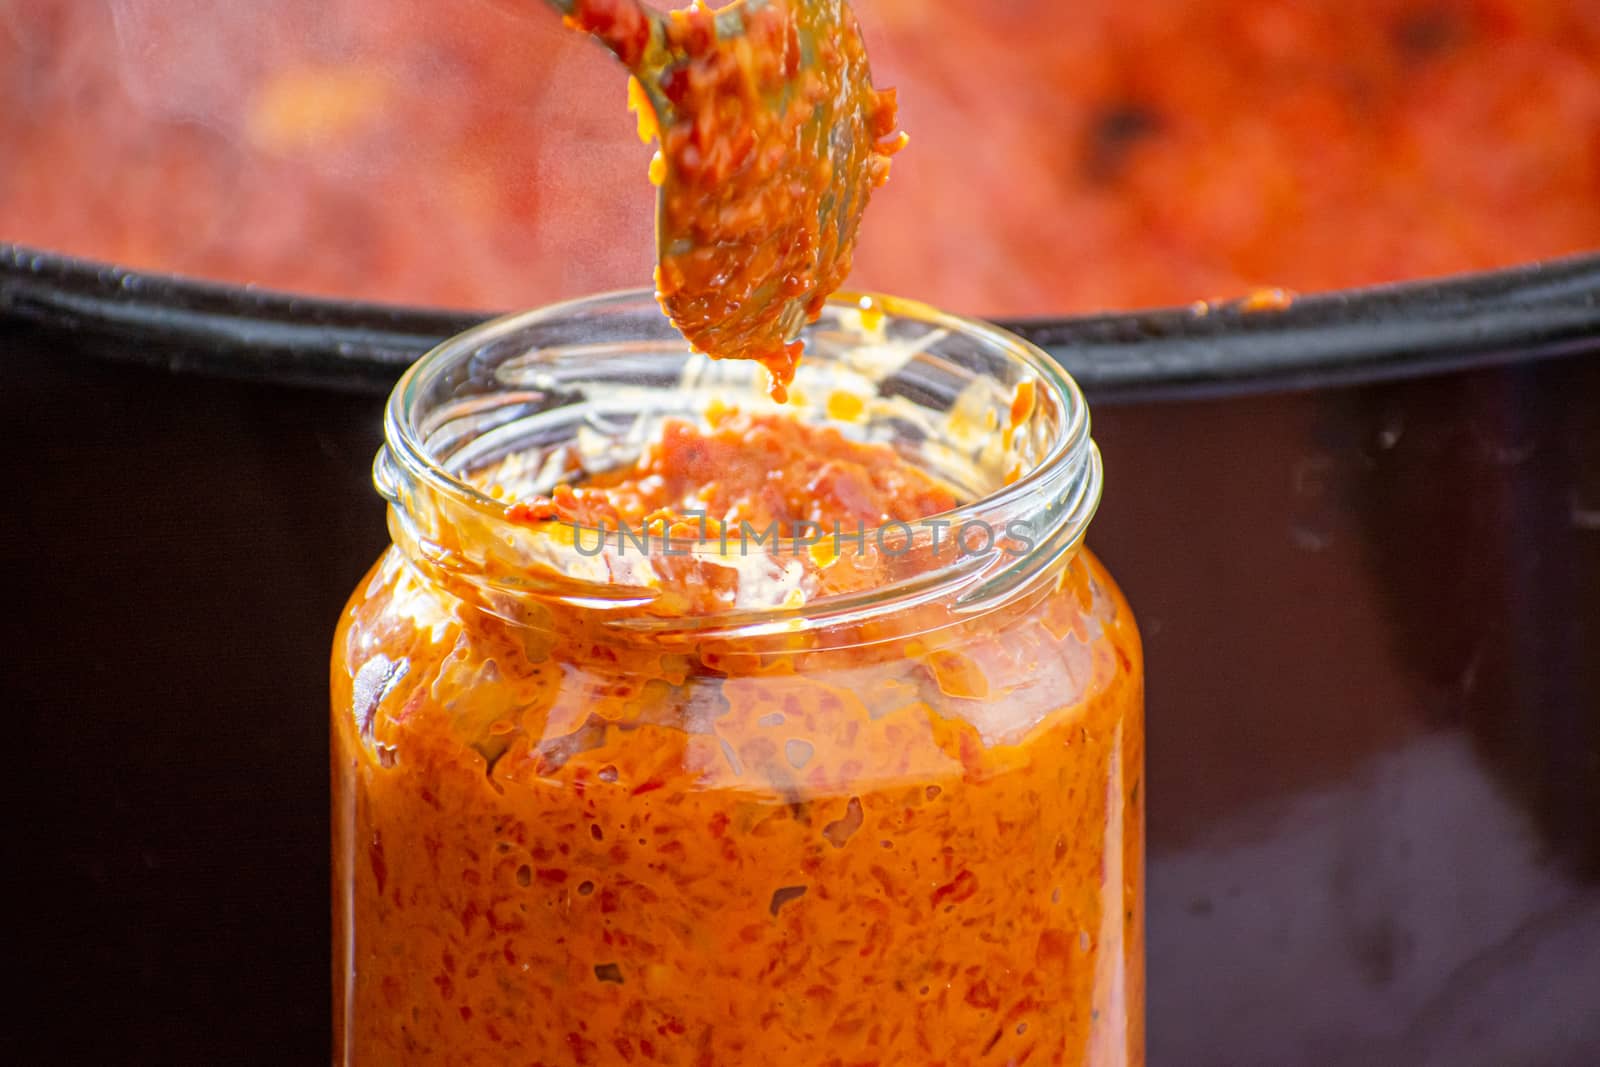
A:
{"x": 1065, "y": 156}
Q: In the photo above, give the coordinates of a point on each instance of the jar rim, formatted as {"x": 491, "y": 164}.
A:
{"x": 1068, "y": 473}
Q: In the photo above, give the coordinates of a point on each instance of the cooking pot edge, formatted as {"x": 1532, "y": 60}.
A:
{"x": 1403, "y": 330}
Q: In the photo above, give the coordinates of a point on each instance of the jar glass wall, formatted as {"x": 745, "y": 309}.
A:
{"x": 680, "y": 797}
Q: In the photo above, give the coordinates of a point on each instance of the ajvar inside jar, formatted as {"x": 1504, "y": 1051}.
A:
{"x": 858, "y": 785}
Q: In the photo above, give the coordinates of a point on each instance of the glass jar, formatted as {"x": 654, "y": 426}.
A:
{"x": 580, "y": 818}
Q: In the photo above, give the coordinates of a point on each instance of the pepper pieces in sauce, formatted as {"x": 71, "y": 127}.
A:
{"x": 775, "y": 141}
{"x": 913, "y": 840}
{"x": 749, "y": 468}
{"x": 909, "y": 847}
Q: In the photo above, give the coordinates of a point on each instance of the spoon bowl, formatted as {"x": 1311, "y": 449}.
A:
{"x": 772, "y": 139}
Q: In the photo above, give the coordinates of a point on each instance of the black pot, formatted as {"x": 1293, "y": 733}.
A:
{"x": 1362, "y": 534}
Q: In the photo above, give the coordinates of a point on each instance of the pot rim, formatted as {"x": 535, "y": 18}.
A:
{"x": 1384, "y": 332}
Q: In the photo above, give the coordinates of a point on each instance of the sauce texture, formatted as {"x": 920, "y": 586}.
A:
{"x": 773, "y": 141}
{"x": 890, "y": 843}
{"x": 1069, "y": 156}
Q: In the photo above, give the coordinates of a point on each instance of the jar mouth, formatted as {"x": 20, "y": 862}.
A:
{"x": 485, "y": 393}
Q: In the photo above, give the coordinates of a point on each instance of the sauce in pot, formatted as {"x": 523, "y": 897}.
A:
{"x": 1069, "y": 156}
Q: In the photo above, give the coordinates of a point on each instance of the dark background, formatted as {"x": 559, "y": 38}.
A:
{"x": 1372, "y": 617}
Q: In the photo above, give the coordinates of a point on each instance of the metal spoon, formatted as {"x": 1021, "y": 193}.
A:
{"x": 772, "y": 138}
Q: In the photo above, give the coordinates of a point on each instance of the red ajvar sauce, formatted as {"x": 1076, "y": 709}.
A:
{"x": 892, "y": 843}
{"x": 774, "y": 142}
{"x": 476, "y": 155}
{"x": 754, "y": 469}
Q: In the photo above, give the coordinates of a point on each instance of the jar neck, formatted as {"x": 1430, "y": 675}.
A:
{"x": 537, "y": 399}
